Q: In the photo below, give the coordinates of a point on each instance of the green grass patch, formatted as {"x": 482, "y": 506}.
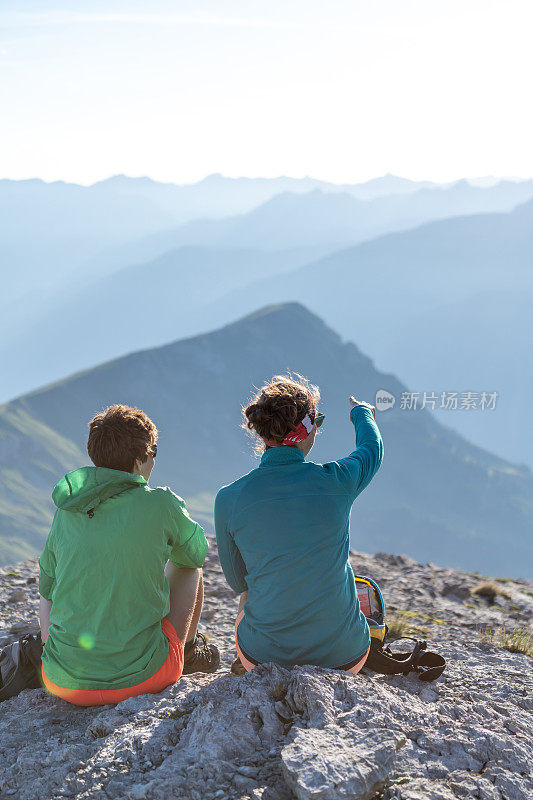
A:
{"x": 519, "y": 640}
{"x": 400, "y": 624}
{"x": 490, "y": 590}
{"x": 418, "y": 615}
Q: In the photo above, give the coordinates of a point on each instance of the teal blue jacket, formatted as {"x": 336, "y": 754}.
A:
{"x": 283, "y": 535}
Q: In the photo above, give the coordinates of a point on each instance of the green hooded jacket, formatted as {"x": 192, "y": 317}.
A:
{"x": 103, "y": 569}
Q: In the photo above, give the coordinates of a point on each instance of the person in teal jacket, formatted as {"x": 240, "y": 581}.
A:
{"x": 283, "y": 535}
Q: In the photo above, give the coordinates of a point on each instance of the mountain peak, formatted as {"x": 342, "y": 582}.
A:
{"x": 126, "y": 180}
{"x": 289, "y": 320}
{"x": 276, "y": 309}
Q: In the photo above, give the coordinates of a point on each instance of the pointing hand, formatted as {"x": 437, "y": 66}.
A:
{"x": 354, "y": 402}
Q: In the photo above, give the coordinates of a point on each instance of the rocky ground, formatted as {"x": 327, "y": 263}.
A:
{"x": 281, "y": 734}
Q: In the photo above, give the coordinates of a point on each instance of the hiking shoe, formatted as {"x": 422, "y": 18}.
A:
{"x": 202, "y": 657}
{"x": 20, "y": 666}
{"x": 237, "y": 667}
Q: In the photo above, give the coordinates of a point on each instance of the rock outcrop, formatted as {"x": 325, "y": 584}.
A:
{"x": 306, "y": 733}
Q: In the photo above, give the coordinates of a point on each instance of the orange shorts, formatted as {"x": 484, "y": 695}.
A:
{"x": 168, "y": 673}
{"x": 248, "y": 665}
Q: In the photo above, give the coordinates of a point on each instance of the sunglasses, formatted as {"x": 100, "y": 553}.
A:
{"x": 319, "y": 419}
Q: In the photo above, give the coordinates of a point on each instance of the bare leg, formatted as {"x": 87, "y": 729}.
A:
{"x": 193, "y": 627}
{"x": 186, "y": 598}
{"x": 237, "y": 666}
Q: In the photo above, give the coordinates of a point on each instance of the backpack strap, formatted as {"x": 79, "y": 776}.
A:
{"x": 430, "y": 666}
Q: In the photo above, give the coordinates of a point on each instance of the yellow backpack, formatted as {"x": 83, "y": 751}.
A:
{"x": 429, "y": 666}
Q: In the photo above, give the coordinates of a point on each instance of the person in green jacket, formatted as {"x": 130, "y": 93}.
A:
{"x": 283, "y": 535}
{"x": 120, "y": 575}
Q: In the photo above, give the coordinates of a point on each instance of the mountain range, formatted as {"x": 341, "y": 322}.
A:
{"x": 56, "y": 237}
{"x": 51, "y": 230}
{"x": 437, "y": 496}
{"x": 445, "y": 305}
{"x": 339, "y": 219}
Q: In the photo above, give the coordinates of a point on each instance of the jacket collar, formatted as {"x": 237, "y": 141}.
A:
{"x": 281, "y": 455}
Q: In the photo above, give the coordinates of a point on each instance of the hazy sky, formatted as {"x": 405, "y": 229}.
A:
{"x": 339, "y": 89}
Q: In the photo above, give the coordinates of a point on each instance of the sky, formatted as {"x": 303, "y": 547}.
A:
{"x": 343, "y": 90}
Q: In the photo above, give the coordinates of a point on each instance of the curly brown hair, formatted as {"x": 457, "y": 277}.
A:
{"x": 118, "y": 436}
{"x": 279, "y": 406}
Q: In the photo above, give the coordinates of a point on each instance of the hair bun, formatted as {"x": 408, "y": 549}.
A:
{"x": 279, "y": 406}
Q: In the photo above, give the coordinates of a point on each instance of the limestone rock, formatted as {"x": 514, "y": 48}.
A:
{"x": 335, "y": 764}
{"x": 18, "y": 596}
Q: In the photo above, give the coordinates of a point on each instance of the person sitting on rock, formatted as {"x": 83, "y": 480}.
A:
{"x": 120, "y": 576}
{"x": 283, "y": 535}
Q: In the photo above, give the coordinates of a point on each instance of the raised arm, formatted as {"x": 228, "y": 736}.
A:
{"x": 357, "y": 470}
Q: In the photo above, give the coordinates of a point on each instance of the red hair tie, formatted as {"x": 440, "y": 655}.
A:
{"x": 302, "y": 432}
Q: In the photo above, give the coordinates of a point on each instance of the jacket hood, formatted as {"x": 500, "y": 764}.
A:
{"x": 88, "y": 487}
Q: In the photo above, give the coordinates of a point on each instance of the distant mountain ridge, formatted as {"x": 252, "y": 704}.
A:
{"x": 57, "y": 235}
{"x": 338, "y": 219}
{"x": 437, "y": 496}
{"x": 39, "y": 207}
{"x": 190, "y": 294}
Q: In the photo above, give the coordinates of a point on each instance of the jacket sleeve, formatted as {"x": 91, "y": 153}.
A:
{"x": 231, "y": 561}
{"x": 186, "y": 537}
{"x": 47, "y": 567}
{"x": 357, "y": 470}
